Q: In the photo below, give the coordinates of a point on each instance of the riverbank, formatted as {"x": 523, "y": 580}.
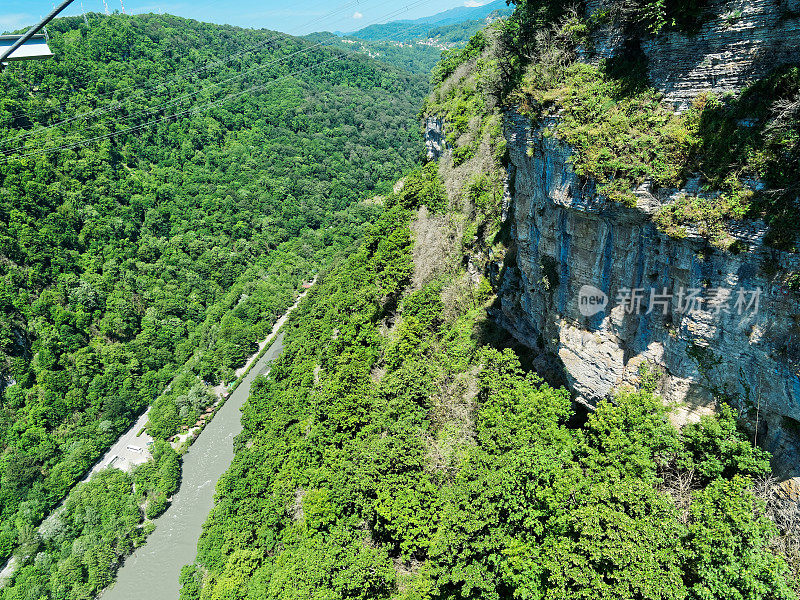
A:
{"x": 152, "y": 570}
{"x": 132, "y": 447}
{"x": 222, "y": 391}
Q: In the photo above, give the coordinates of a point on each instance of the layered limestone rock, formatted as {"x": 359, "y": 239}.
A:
{"x": 566, "y": 236}
{"x": 738, "y": 42}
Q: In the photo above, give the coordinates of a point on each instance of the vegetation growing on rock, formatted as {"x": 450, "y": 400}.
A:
{"x": 744, "y": 148}
{"x": 402, "y": 446}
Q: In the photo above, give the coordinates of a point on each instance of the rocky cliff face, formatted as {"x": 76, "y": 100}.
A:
{"x": 738, "y": 42}
{"x": 433, "y": 134}
{"x": 713, "y": 325}
{"x": 565, "y": 236}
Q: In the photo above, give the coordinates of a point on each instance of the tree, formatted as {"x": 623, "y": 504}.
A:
{"x": 727, "y": 547}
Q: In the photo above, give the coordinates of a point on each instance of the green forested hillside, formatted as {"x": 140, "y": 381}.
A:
{"x": 397, "y": 449}
{"x": 414, "y": 57}
{"x": 402, "y": 446}
{"x": 127, "y": 252}
{"x": 415, "y": 46}
{"x": 417, "y": 55}
{"x": 434, "y": 25}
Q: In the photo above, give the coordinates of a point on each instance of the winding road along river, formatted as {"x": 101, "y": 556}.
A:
{"x": 151, "y": 573}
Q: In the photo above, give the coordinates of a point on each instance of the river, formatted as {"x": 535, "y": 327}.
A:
{"x": 152, "y": 571}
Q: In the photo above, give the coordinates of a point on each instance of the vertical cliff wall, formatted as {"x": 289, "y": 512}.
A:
{"x": 741, "y": 343}
{"x": 565, "y": 236}
{"x": 736, "y": 43}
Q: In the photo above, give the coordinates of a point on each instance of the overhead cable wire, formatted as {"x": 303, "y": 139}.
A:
{"x": 208, "y": 64}
{"x": 173, "y": 116}
{"x": 106, "y": 110}
{"x": 41, "y": 150}
{"x": 118, "y": 105}
{"x": 152, "y": 110}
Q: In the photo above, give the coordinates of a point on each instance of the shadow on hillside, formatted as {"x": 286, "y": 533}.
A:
{"x": 489, "y": 333}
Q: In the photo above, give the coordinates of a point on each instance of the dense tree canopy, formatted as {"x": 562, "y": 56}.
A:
{"x": 397, "y": 450}
{"x": 401, "y": 446}
{"x": 127, "y": 252}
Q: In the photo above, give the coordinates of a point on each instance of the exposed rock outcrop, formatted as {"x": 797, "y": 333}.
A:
{"x": 744, "y": 348}
{"x": 566, "y": 236}
{"x": 434, "y": 137}
{"x": 738, "y": 42}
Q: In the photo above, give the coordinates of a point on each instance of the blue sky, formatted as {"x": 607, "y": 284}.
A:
{"x": 297, "y": 17}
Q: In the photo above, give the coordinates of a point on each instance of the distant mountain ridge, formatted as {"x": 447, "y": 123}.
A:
{"x": 419, "y": 28}
{"x": 462, "y": 13}
{"x": 416, "y": 45}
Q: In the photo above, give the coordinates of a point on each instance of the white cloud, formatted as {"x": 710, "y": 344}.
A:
{"x": 357, "y": 15}
{"x": 475, "y": 3}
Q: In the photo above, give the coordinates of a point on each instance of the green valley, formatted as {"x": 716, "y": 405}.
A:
{"x": 443, "y": 418}
{"x": 137, "y": 242}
